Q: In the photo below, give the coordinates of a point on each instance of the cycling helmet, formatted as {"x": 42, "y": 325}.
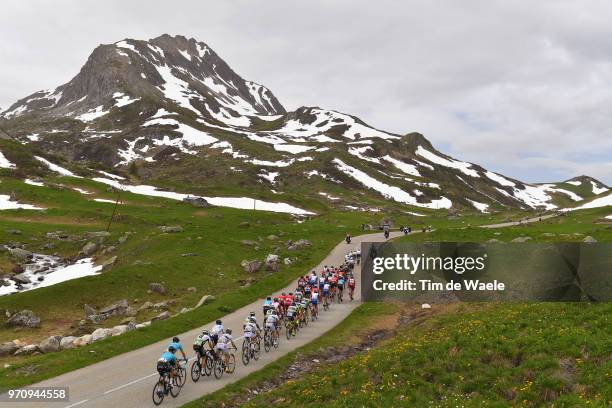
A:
{"x": 206, "y": 333}
{"x": 228, "y": 331}
{"x": 276, "y": 299}
{"x": 252, "y": 314}
{"x": 175, "y": 339}
{"x": 252, "y": 319}
{"x": 171, "y": 349}
{"x": 218, "y": 322}
{"x": 283, "y": 294}
{"x": 269, "y": 298}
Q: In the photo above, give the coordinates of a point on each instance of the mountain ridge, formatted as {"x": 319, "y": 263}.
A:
{"x": 171, "y": 108}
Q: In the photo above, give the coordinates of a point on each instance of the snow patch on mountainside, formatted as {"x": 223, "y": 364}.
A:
{"x": 455, "y": 164}
{"x": 598, "y": 189}
{"x": 92, "y": 114}
{"x": 7, "y": 204}
{"x": 598, "y": 202}
{"x": 56, "y": 168}
{"x": 499, "y": 179}
{"x": 5, "y": 163}
{"x": 360, "y": 153}
{"x": 482, "y": 207}
{"x": 387, "y": 191}
{"x": 244, "y": 203}
{"x": 409, "y": 169}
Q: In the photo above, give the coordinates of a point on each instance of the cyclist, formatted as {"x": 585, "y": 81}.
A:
{"x": 176, "y": 343}
{"x": 216, "y": 331}
{"x": 167, "y": 363}
{"x": 314, "y": 300}
{"x": 204, "y": 340}
{"x": 312, "y": 279}
{"x": 351, "y": 285}
{"x": 272, "y": 323}
{"x": 291, "y": 315}
{"x": 225, "y": 340}
{"x": 326, "y": 289}
{"x": 340, "y": 286}
{"x": 267, "y": 304}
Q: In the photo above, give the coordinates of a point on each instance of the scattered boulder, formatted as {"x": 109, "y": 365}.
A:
{"x": 28, "y": 349}
{"x": 116, "y": 309}
{"x": 250, "y": 266}
{"x": 425, "y": 306}
{"x": 97, "y": 234}
{"x": 244, "y": 224}
{"x": 130, "y": 326}
{"x": 248, "y": 242}
{"x": 89, "y": 249}
{"x": 204, "y": 300}
{"x": 19, "y": 254}
{"x": 186, "y": 309}
{"x": 589, "y": 240}
{"x": 157, "y": 288}
{"x": 123, "y": 238}
{"x": 145, "y": 306}
{"x": 142, "y": 325}
{"x": 119, "y": 330}
{"x": 192, "y": 289}
{"x": 299, "y": 244}
{"x": 24, "y": 318}
{"x": 493, "y": 241}
{"x": 197, "y": 202}
{"x": 287, "y": 261}
{"x": 50, "y": 344}
{"x": 21, "y": 279}
{"x": 272, "y": 263}
{"x": 109, "y": 263}
{"x": 89, "y": 311}
{"x": 171, "y": 229}
{"x": 82, "y": 341}
{"x": 100, "y": 334}
{"x": 161, "y": 305}
{"x": 8, "y": 348}
{"x": 272, "y": 237}
{"x": 162, "y": 316}
{"x": 521, "y": 239}
{"x": 67, "y": 342}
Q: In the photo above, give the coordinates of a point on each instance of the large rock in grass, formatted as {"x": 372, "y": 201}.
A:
{"x": 24, "y": 318}
{"x": 116, "y": 309}
{"x": 50, "y": 344}
{"x": 29, "y": 349}
{"x": 6, "y": 349}
{"x": 198, "y": 202}
{"x": 100, "y": 334}
{"x": 89, "y": 249}
{"x": 157, "y": 288}
{"x": 161, "y": 316}
{"x": 20, "y": 255}
{"x": 589, "y": 240}
{"x": 21, "y": 279}
{"x": 204, "y": 300}
{"x": 272, "y": 263}
{"x": 250, "y": 266}
{"x": 82, "y": 341}
{"x": 67, "y": 342}
{"x": 171, "y": 229}
{"x": 119, "y": 330}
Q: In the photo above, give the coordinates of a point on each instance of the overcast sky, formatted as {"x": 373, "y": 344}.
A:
{"x": 523, "y": 88}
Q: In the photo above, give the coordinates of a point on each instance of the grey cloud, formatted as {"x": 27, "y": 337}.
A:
{"x": 521, "y": 87}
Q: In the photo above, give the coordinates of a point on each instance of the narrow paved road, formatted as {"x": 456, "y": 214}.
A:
{"x": 127, "y": 380}
{"x": 521, "y": 222}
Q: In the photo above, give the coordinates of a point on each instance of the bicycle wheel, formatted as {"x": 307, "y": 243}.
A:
{"x": 159, "y": 391}
{"x": 246, "y": 355}
{"x": 181, "y": 374}
{"x": 288, "y": 331}
{"x": 176, "y": 386}
{"x": 231, "y": 364}
{"x": 276, "y": 339}
{"x": 209, "y": 365}
{"x": 219, "y": 369}
{"x": 267, "y": 341}
{"x": 256, "y": 350}
{"x": 196, "y": 370}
